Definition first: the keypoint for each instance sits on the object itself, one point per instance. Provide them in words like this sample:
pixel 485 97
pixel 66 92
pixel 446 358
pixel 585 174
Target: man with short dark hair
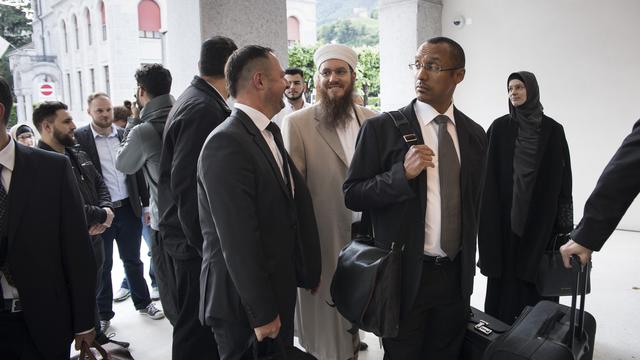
pixel 56 127
pixel 256 215
pixel 101 140
pixel 425 198
pixel 294 94
pixel 47 267
pixel 142 141
pixel 198 111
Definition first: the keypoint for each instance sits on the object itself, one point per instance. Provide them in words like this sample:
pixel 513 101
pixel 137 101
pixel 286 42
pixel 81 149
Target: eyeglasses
pixel 430 67
pixel 326 73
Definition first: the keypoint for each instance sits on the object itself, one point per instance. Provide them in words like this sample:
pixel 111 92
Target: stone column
pixel 247 22
pixel 22 117
pixel 28 105
pixel 404 25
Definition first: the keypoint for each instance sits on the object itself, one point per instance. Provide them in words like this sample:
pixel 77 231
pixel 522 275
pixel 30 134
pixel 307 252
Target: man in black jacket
pixel 47 269
pixel 425 198
pixel 55 125
pixel 616 189
pixel 198 111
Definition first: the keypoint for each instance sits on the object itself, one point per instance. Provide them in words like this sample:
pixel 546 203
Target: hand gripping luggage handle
pixel 582 276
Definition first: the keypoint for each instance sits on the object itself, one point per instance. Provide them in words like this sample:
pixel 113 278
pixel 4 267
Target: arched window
pixel 76 31
pixel 64 32
pixel 103 21
pixel 87 16
pixel 149 19
pixel 293 30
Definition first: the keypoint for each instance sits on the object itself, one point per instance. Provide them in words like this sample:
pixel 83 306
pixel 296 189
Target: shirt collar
pixel 216 90
pixel 114 131
pixel 426 113
pixel 258 118
pixel 8 155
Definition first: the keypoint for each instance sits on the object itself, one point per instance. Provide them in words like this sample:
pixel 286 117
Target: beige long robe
pixel 317 152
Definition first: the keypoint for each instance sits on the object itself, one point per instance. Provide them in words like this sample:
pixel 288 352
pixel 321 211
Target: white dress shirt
pixel 432 224
pixel 8 160
pixel 348 135
pixel 286 110
pixel 261 121
pixel 108 147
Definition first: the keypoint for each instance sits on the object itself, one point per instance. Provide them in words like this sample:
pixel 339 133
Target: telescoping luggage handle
pixel 582 277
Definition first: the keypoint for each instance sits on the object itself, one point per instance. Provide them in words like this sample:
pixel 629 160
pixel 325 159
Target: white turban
pixel 335 51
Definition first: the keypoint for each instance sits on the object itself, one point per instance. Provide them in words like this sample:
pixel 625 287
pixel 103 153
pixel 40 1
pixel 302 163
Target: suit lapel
pixel 265 149
pixel 409 112
pixel 330 136
pixel 86 138
pixel 21 183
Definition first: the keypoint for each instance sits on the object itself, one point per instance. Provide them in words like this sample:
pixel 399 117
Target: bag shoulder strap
pixel 402 123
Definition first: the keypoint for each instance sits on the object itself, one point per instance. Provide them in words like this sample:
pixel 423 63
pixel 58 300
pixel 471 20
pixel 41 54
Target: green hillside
pixel 328 11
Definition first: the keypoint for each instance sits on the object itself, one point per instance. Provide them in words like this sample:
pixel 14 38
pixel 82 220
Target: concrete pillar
pixel 404 25
pixel 22 117
pixel 28 105
pixel 182 42
pixel 248 22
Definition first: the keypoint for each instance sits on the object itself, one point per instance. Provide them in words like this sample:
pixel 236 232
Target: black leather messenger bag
pixel 366 286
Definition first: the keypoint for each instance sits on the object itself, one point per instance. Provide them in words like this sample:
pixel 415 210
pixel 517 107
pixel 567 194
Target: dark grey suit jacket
pixel 136 184
pixel 254 231
pixel 376 182
pixel 49 253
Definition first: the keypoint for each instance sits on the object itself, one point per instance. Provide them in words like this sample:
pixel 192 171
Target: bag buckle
pixel 409 138
pixel 16 306
pixel 482 327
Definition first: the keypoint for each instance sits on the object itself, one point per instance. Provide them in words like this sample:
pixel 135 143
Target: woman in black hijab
pixel 527 199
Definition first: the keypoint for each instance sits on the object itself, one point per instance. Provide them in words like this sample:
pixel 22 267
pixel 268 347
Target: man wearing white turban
pixel 321 141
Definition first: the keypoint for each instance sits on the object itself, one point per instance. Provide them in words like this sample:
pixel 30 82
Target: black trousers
pixel 235 339
pixel 191 339
pixel 16 342
pixel 165 276
pixel 434 327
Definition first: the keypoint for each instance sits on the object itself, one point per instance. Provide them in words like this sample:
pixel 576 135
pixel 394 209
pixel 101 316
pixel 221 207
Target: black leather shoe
pixel 103 339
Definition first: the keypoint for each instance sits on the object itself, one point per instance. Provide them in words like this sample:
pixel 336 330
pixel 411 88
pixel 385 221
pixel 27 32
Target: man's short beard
pixel 63 139
pixel 336 112
pixel 293 98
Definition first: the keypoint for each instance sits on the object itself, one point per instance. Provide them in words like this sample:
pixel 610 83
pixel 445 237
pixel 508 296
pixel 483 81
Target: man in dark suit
pixel 256 215
pixel 616 189
pixel 45 252
pixel 101 141
pixel 425 197
pixel 198 111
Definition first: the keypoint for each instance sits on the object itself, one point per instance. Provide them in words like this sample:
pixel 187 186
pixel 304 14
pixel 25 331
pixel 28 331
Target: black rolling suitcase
pixel 548 331
pixel 482 329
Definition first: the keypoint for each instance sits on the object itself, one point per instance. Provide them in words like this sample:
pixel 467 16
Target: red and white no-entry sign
pixel 46 89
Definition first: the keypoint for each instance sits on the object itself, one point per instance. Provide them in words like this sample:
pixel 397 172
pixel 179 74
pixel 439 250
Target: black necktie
pixel 277 137
pixel 450 202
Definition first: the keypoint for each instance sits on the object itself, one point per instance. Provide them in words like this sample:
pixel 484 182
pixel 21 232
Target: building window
pixel 93 80
pixel 70 96
pixel 64 32
pixel 80 89
pixel 293 30
pixel 87 15
pixel 76 31
pixel 103 21
pixel 107 84
pixel 149 19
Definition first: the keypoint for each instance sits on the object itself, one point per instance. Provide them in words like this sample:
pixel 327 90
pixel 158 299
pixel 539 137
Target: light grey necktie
pixel 450 201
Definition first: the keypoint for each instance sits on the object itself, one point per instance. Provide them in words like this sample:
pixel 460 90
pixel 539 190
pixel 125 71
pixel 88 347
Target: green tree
pixel 356 32
pixel 368 72
pixel 15 27
pixel 302 57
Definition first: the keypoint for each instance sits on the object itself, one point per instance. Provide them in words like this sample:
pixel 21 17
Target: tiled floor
pixel 615 302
